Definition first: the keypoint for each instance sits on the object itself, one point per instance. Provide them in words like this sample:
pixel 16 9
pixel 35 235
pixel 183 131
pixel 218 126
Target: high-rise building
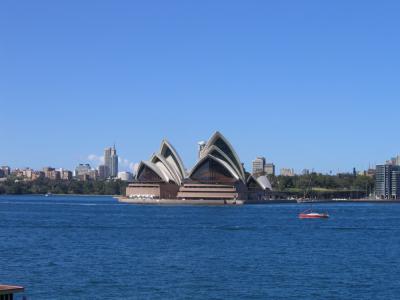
pixel 261 167
pixel 111 162
pixel 82 169
pixel 269 169
pixel 258 165
pixel 382 181
pixel 103 172
pixel 387 183
pixel 107 161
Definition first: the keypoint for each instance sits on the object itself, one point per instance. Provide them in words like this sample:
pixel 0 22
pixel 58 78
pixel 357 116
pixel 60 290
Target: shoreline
pixel 123 199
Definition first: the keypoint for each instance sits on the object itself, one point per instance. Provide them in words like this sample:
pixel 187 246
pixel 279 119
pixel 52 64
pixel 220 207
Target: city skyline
pixel 126 165
pixel 110 158
pixel 276 78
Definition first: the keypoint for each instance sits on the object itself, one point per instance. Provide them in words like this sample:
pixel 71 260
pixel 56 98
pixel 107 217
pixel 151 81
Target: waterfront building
pixel 387 182
pixel 287 172
pixel 218 175
pixel 1 173
pixel 395 188
pixel 6 171
pixel 125 176
pixel 383 181
pixel 111 162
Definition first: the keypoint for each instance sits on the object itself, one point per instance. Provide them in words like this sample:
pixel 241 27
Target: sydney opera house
pixel 218 176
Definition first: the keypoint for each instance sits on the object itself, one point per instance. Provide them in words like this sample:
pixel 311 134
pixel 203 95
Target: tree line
pixel 312 185
pixel 326 186
pixel 45 185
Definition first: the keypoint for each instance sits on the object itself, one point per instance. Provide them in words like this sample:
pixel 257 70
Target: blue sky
pixel 308 84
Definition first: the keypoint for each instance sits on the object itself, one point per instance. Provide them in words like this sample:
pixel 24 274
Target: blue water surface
pixel 65 247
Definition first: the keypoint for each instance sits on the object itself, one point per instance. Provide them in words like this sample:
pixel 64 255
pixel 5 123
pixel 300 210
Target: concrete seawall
pixel 241 202
pixel 179 202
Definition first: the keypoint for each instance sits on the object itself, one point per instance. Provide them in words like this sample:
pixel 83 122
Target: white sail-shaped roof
pixel 219 141
pixel 152 167
pixel 172 157
pixel 262 181
pixel 166 167
pixel 217 152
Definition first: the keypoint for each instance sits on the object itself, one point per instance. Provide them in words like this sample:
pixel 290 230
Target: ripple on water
pixel 96 248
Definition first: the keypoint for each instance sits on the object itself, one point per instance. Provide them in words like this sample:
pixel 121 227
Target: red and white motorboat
pixel 309 214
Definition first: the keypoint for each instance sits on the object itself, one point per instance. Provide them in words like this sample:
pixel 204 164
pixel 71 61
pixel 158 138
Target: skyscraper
pixel 258 165
pixel 111 162
pixel 261 167
pixel 396 183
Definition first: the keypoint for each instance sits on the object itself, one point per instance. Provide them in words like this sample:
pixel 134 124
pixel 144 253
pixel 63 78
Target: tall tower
pixel 114 163
pixel 111 162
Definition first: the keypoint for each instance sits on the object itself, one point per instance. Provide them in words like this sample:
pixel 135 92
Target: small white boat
pixel 309 214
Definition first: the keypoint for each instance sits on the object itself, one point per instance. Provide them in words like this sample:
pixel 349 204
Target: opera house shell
pixel 218 175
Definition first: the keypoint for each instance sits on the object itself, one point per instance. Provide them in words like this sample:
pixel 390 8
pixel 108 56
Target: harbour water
pixel 63 247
